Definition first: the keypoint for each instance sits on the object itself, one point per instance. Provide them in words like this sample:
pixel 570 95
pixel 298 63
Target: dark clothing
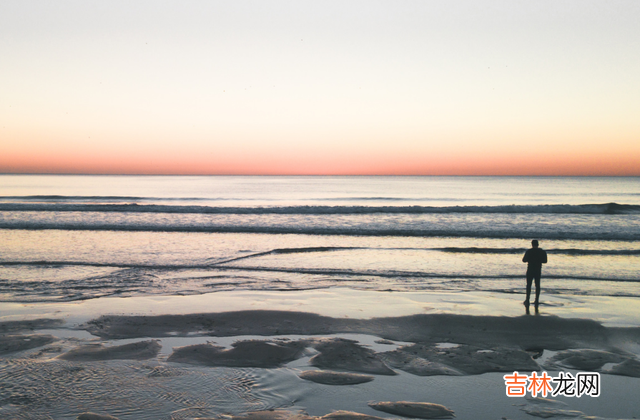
pixel 530 280
pixel 535 257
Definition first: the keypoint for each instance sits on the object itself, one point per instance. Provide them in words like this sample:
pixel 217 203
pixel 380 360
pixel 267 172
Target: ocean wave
pixel 558 251
pixel 120 198
pixel 222 266
pixel 456 250
pixel 68 199
pixel 489 233
pixel 133 207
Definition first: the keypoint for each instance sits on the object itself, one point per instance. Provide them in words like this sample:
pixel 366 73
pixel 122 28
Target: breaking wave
pixel 61 204
pixel 489 232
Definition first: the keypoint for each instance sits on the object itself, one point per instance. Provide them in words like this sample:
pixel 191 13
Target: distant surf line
pixel 133 207
pixel 623 236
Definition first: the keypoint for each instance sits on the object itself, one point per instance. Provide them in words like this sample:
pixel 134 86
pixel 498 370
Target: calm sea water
pixel 81 237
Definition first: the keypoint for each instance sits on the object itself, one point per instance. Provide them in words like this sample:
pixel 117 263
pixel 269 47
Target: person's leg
pixel 529 281
pixel 537 301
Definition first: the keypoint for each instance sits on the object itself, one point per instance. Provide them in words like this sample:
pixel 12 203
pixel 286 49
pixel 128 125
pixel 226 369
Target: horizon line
pixel 320 175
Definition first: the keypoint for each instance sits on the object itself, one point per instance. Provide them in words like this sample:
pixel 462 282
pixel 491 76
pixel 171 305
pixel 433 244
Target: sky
pixel 544 87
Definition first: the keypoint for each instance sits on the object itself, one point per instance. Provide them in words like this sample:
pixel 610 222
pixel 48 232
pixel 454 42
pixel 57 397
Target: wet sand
pixel 310 356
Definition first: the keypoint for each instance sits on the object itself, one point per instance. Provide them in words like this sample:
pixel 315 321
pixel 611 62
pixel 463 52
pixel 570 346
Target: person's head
pixel 534 243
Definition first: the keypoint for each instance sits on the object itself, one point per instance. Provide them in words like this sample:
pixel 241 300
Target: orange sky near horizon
pixel 594 163
pixel 295 88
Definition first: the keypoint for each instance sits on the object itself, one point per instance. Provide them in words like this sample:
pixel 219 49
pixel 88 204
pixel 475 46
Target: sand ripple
pixel 35 389
pixel 94 416
pixel 250 353
pixel 339 353
pixel 630 367
pixel 421 410
pixel 585 359
pixel 134 351
pixel 12 343
pixel 335 378
pixel 426 360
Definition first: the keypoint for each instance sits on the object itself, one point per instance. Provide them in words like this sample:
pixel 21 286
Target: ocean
pixel 72 237
pixel 179 297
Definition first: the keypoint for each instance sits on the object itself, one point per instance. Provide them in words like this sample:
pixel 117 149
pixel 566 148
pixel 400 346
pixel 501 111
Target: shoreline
pixel 335 302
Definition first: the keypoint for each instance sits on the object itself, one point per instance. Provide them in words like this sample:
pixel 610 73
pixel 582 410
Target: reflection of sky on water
pixel 76 265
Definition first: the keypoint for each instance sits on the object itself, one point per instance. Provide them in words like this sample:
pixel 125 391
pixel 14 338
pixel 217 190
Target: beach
pixel 304 298
pixel 128 360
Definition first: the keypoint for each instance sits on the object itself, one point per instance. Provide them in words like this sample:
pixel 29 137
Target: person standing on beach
pixel 535 257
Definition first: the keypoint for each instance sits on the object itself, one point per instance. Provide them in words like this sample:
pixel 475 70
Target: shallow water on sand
pixel 130 390
pixel 69 265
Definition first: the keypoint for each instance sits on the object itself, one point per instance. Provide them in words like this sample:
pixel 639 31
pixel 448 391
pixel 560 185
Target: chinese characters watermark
pixel 584 383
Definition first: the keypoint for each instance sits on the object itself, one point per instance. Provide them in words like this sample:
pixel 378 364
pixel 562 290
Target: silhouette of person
pixel 535 257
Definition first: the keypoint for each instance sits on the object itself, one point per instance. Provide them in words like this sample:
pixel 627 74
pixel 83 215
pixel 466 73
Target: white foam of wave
pixel 70 205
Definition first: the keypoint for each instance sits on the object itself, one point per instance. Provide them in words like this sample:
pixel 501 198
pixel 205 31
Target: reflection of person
pixel 535 257
pixel 528 312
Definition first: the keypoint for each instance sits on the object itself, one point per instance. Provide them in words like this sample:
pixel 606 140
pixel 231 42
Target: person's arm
pixel 544 257
pixel 526 257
